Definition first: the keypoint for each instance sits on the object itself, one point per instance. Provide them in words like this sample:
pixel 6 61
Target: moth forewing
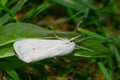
pixel 31 50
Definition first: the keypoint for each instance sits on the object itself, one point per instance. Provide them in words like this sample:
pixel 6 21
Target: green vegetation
pixel 99 20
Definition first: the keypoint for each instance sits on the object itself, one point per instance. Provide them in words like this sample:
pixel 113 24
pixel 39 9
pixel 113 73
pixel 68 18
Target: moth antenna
pixel 75 37
pixel 83 39
pixel 57 36
pixel 81 47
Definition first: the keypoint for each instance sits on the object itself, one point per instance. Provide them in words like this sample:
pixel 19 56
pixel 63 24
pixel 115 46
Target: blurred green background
pixel 98 19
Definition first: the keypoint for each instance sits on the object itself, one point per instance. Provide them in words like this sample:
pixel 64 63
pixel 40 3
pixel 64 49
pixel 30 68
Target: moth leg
pixel 84 48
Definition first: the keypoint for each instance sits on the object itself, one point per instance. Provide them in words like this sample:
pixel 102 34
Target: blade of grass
pixel 71 17
pixel 75 19
pixel 104 71
pixel 3 2
pixel 10 13
pixel 35 11
pixel 112 46
pixel 13 75
pixel 11 2
pixel 74 15
pixel 88 4
pixel 116 53
pixel 70 4
pixel 16 8
pixel 106 3
pixel 110 66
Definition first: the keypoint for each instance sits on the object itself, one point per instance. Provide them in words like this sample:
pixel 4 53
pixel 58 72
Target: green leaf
pixel 15 31
pixel 10 62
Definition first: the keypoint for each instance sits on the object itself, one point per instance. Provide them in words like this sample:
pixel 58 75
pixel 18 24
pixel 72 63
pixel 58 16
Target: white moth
pixel 31 50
